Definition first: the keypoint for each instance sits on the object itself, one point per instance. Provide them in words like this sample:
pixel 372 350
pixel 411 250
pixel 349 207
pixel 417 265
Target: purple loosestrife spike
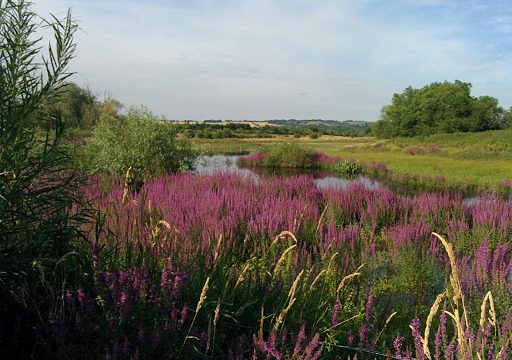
pixel 336 313
pixel 364 332
pixel 300 338
pixel 438 343
pixel 174 314
pixel 369 307
pixel 350 337
pixel 416 334
pixel 397 345
pixel 408 355
pixel 80 295
pixel 184 314
pixel 449 352
pixel 490 353
pixel 312 346
pixel 69 297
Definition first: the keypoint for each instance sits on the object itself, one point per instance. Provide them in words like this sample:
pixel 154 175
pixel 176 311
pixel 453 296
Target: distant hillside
pixel 346 125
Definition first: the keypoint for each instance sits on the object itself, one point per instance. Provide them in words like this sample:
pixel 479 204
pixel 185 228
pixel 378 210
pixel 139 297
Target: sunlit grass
pixel 482 159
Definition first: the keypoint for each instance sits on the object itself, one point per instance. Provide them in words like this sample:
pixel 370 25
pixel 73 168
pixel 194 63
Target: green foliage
pixel 138 142
pixel 76 106
pixel 348 169
pixel 80 108
pixel 439 108
pixel 37 183
pixel 508 117
pixel 289 155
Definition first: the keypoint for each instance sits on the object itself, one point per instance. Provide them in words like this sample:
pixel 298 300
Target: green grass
pixel 481 159
pixel 498 140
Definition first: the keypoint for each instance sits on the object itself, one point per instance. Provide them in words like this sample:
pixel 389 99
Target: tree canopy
pixel 440 107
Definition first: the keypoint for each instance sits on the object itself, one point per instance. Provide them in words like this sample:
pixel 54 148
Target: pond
pixel 208 164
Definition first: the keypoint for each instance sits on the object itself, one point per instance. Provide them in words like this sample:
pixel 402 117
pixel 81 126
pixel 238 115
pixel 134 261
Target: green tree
pixel 80 108
pixel 441 107
pixel 508 117
pixel 76 106
pixel 139 144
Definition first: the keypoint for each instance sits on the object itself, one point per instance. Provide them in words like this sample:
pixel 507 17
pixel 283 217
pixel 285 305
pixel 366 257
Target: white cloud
pixel 268 59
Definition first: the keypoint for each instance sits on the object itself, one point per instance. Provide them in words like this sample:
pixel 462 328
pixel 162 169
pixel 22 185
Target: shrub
pixel 137 144
pixel 289 156
pixel 348 168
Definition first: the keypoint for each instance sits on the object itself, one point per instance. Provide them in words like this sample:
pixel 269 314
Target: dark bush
pixel 289 156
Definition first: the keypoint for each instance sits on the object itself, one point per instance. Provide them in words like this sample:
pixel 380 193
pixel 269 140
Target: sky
pixel 282 59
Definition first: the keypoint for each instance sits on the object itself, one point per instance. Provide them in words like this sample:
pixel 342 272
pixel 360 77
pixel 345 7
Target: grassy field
pixel 482 159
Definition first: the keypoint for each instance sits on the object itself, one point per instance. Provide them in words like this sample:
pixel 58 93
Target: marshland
pixel 126 234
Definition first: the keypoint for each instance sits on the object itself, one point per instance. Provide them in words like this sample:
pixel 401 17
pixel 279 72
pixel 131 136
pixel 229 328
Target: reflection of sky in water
pixel 209 164
pixel 333 181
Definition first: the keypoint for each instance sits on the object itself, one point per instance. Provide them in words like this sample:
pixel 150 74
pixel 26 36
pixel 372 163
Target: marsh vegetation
pixel 111 248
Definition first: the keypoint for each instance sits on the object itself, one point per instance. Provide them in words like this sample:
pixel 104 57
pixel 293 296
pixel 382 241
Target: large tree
pixel 441 107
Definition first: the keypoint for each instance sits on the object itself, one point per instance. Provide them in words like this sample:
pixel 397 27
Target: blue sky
pixel 266 59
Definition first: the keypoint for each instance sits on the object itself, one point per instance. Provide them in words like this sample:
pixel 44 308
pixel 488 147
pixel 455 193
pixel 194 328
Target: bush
pixel 138 144
pixel 348 168
pixel 289 156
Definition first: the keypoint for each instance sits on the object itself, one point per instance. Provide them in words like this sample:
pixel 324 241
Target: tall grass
pixel 489 341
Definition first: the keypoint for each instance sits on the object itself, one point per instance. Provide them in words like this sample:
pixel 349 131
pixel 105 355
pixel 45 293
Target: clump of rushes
pixel 348 169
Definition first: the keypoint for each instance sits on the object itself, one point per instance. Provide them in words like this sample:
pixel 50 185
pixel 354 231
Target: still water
pixel 208 164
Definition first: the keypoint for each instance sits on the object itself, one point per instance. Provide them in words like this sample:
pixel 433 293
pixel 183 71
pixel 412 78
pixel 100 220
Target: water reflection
pixel 208 164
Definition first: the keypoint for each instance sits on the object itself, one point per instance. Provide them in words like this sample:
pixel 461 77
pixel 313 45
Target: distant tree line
pixel 80 109
pixel 441 107
pixel 213 130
